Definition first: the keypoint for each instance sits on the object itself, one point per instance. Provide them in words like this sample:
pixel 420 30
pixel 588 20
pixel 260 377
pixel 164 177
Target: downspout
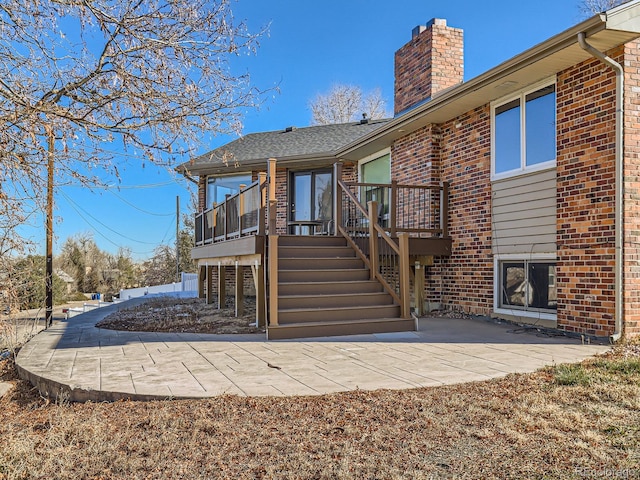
pixel 619 183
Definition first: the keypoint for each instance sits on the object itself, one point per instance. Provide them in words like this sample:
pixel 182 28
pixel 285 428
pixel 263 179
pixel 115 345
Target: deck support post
pixel 222 286
pixel 258 280
pixel 418 287
pixel 405 280
pixel 209 280
pixel 239 290
pixel 202 278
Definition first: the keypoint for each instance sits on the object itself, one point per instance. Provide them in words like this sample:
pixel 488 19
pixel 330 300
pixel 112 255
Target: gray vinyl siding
pixel 524 214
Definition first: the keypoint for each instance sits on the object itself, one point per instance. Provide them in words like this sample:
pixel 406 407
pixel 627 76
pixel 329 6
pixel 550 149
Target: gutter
pixel 619 182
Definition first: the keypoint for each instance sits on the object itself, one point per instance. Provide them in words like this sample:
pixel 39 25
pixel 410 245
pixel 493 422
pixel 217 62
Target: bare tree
pixel 592 7
pixel 346 103
pixel 90 83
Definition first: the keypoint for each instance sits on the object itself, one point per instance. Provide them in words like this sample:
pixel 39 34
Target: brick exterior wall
pixel 202 192
pixel 632 189
pixel 586 198
pixel 431 62
pixel 459 151
pixel 467 276
pixel 416 157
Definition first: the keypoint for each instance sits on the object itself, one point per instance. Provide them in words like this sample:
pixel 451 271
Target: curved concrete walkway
pixel 76 361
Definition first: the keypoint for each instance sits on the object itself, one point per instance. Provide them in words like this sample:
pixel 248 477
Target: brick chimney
pixel 432 61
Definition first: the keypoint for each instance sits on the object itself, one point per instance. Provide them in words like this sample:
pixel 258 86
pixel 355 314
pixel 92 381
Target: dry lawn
pixel 569 421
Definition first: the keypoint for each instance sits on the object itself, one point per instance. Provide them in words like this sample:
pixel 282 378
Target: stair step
pixel 315 251
pixel 328 288
pixel 286 302
pixel 330 313
pixel 311 263
pixel 324 275
pixel 309 240
pixel 353 327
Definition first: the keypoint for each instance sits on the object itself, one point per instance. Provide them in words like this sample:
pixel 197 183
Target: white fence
pixel 187 287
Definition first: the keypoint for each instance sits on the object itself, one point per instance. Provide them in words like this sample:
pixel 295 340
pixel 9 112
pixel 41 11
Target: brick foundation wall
pixel 230 276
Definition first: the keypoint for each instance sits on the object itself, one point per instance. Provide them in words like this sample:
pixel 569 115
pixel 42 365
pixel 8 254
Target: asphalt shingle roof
pixel 253 149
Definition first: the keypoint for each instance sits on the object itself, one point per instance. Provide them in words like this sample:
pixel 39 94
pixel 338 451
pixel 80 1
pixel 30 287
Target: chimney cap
pixel 441 22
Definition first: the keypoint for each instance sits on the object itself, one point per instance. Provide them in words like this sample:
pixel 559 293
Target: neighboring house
pixel 69 281
pixel 532 167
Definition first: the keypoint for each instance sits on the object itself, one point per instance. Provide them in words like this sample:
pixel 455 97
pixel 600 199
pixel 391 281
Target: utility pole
pixel 49 233
pixel 177 238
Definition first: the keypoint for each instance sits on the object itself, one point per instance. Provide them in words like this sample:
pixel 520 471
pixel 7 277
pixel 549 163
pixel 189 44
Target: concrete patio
pixel 76 361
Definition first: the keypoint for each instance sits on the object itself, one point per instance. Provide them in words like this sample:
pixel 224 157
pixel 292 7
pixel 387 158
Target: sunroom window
pixel 219 187
pixel 524 132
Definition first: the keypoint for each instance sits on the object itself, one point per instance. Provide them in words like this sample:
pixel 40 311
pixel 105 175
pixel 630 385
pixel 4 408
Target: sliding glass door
pixel 311 202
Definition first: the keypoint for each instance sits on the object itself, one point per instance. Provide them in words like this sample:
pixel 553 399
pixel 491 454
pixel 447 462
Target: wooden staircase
pixel 324 289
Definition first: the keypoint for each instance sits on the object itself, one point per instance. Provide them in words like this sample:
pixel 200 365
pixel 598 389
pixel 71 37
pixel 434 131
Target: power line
pixel 77 208
pixel 140 209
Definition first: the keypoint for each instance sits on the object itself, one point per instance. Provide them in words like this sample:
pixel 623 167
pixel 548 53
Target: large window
pixel 219 187
pixel 527 285
pixel 377 171
pixel 524 132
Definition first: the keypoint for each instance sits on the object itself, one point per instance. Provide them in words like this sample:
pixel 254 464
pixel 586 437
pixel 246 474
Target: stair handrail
pixel 376 232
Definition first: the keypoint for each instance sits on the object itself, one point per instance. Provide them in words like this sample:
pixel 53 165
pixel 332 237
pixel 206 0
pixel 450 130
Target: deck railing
pixel 419 210
pixel 378 219
pixel 237 216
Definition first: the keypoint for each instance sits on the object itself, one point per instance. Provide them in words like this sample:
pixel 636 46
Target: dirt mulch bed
pixel 191 315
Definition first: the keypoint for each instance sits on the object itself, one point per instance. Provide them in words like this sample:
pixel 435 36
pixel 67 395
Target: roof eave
pixel 625 18
pixel 258 164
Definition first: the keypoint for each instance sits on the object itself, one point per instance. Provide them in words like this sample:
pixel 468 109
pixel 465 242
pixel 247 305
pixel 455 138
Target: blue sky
pixel 310 46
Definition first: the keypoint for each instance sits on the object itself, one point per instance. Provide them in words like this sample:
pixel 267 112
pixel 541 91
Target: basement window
pixel 527 285
pixel 524 132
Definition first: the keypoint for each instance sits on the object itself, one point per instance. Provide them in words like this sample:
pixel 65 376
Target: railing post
pixel 273 202
pixel 240 207
pixel 273 280
pixel 405 282
pixel 393 208
pixel 444 209
pixel 337 197
pixel 226 216
pixel 262 179
pixel 273 244
pixel 214 221
pixel 373 238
